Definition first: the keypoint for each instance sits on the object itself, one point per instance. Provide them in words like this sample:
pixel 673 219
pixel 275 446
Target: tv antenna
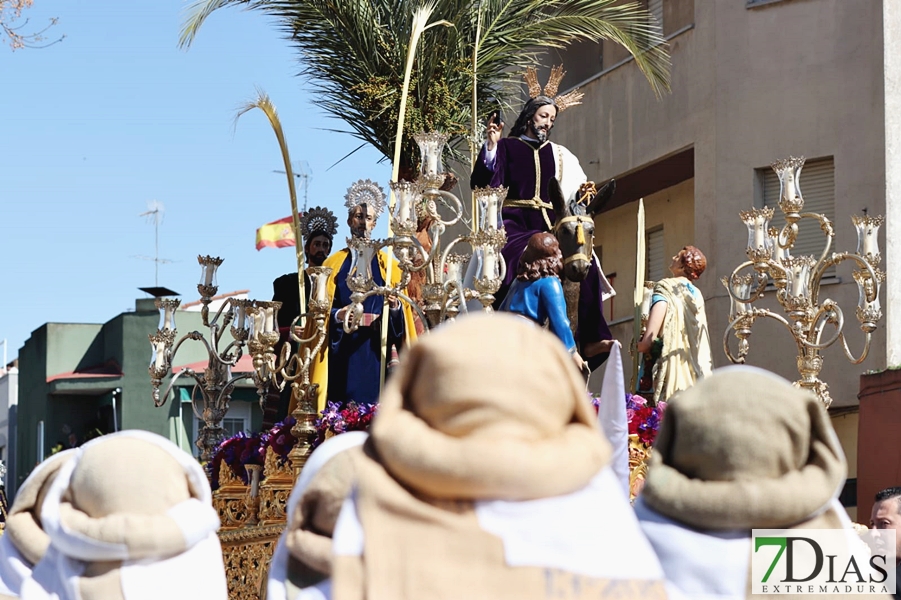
pixel 154 214
pixel 303 172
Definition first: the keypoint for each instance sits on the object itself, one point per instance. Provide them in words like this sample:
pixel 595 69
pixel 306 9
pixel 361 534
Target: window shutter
pixel 817 183
pixel 655 269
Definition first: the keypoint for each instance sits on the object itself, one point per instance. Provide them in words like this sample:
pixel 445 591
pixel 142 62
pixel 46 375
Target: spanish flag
pixel 278 234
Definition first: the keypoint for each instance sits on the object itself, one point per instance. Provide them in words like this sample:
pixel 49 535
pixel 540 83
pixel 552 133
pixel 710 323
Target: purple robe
pixel 514 167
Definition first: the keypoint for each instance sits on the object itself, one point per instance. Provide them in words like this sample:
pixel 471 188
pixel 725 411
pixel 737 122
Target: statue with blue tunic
pixel 537 292
pixel 350 366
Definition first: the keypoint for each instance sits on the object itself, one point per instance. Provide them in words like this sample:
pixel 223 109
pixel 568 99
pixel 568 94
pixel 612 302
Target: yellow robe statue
pixel 686 356
pixel 319 367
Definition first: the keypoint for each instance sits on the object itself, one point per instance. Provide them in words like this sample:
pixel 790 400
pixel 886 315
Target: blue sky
pixel 116 116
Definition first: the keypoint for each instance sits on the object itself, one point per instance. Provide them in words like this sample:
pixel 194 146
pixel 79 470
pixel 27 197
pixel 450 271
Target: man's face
pixel 887 515
pixel 318 249
pixel 361 221
pixel 542 123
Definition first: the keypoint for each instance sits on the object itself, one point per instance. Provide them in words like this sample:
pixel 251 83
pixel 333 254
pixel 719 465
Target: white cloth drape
pixel 278 569
pixel 612 418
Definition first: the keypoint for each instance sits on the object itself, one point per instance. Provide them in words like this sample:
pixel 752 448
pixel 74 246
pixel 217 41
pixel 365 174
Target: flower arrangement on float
pixel 340 418
pixel 644 423
pixel 643 418
pixel 242 450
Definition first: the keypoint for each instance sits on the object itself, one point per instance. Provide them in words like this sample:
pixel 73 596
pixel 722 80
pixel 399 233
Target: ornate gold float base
pixel 639 453
pixel 247 553
pixel 251 525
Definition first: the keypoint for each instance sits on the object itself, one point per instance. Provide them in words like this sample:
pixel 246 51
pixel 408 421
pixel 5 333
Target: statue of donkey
pixel 574 229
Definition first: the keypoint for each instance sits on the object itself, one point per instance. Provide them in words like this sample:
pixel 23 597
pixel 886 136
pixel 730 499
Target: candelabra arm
pixel 356 306
pixel 308 359
pixel 742 325
pixel 461 295
pixel 763 312
pixel 761 285
pixel 215 322
pixel 298 339
pixel 193 335
pixel 197 413
pixel 299 368
pixel 230 386
pixel 382 291
pixel 826 226
pixel 456 206
pixel 739 360
pixel 447 251
pixel 788 234
pixel 426 256
pixel 863 354
pixel 833 314
pixel 435 232
pixel 223 357
pixel 413 305
pixel 160 402
pixel 837 258
pixel 284 358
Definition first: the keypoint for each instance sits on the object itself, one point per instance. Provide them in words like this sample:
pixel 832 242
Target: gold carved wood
pixel 247 547
pixel 247 553
pixel 639 454
pixel 274 491
pixel 230 500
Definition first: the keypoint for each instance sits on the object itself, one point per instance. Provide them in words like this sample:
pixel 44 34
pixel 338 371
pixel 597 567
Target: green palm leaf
pixel 353 53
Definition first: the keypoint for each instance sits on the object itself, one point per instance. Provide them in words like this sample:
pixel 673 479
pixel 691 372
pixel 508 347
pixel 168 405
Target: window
pixel 655 255
pixel 817 183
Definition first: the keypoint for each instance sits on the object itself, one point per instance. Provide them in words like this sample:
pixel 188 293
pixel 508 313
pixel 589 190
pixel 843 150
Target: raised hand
pixel 493 132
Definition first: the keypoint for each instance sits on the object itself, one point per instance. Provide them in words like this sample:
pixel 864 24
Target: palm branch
pixel 263 103
pixel 354 54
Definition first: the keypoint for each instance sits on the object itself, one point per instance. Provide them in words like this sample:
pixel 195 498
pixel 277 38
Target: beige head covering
pixel 489 408
pixel 303 556
pixel 744 449
pixel 24 541
pixel 23 525
pixel 129 516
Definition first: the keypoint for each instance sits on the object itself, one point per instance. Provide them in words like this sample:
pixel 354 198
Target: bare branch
pixel 16 33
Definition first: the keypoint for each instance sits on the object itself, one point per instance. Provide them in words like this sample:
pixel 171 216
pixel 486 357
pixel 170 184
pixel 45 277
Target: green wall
pixel 81 403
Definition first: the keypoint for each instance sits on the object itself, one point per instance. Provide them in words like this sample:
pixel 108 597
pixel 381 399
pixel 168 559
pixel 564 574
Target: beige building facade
pixel 753 81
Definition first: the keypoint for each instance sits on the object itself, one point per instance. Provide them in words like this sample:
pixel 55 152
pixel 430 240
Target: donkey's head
pixel 574 227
